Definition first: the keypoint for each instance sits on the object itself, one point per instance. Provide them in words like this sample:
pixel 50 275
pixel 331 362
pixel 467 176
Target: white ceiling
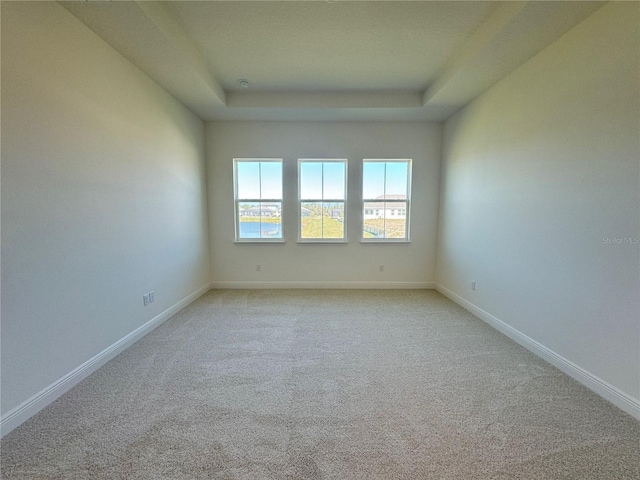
pixel 329 60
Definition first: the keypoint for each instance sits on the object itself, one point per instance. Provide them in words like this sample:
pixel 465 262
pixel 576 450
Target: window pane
pixel 248 220
pixel 386 220
pixel 396 179
pixel 322 220
pixel 248 178
pixel 395 221
pixel 259 220
pixel 271 180
pixel 373 222
pixel 311 180
pixel 271 220
pixel 373 179
pixel 333 181
pixel 311 220
pixel 333 220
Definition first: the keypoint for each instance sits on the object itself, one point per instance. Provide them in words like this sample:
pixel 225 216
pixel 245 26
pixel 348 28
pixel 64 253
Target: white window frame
pixel 407 201
pixel 344 239
pixel 237 201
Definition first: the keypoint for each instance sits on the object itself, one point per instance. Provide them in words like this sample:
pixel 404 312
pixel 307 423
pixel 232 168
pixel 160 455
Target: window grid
pixel 327 234
pixel 266 207
pixel 373 206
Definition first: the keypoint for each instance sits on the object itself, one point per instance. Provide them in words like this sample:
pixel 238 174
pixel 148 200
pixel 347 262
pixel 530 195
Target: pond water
pixel 252 230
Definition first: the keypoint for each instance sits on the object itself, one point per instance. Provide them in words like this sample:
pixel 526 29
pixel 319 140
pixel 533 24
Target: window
pixel 258 199
pixel 386 187
pixel 322 195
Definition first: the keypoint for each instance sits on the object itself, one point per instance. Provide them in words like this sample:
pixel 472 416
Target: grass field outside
pixel 258 219
pixel 327 227
pixel 393 228
pixel 321 227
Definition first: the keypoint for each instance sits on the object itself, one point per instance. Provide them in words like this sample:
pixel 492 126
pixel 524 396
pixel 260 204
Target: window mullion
pixel 260 193
pixel 384 205
pixel 322 204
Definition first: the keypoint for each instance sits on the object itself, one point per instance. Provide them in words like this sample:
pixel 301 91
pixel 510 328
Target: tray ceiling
pixel 318 60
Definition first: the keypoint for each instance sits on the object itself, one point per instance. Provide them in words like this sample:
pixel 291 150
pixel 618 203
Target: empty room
pixel 320 240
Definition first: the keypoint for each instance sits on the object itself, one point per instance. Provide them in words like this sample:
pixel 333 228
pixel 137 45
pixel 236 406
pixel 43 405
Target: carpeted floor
pixel 300 384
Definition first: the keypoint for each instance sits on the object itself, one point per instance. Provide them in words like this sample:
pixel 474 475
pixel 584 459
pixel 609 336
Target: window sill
pixel 385 241
pixel 320 241
pixel 260 242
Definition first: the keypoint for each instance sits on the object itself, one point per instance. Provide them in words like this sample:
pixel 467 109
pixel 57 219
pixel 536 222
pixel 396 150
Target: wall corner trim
pixel 37 402
pixel 610 393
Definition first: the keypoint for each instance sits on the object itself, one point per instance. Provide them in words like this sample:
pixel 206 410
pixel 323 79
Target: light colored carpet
pixel 301 384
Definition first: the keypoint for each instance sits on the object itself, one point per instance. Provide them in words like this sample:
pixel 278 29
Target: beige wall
pixel 540 177
pixel 339 266
pixel 103 198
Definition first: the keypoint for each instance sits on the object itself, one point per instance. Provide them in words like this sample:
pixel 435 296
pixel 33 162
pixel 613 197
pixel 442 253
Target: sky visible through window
pixel 263 180
pixel 384 178
pixel 322 181
pixel 259 180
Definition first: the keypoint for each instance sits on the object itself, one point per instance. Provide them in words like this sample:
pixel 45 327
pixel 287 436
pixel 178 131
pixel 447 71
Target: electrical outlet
pixel 473 285
pixel 152 297
pixel 145 299
pixel 258 268
pixel 381 268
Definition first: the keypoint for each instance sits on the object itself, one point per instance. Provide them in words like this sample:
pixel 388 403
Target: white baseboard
pixel 326 285
pixel 37 402
pixel 620 399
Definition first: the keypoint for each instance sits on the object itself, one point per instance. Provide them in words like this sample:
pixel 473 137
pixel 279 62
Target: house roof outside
pixel 392 204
